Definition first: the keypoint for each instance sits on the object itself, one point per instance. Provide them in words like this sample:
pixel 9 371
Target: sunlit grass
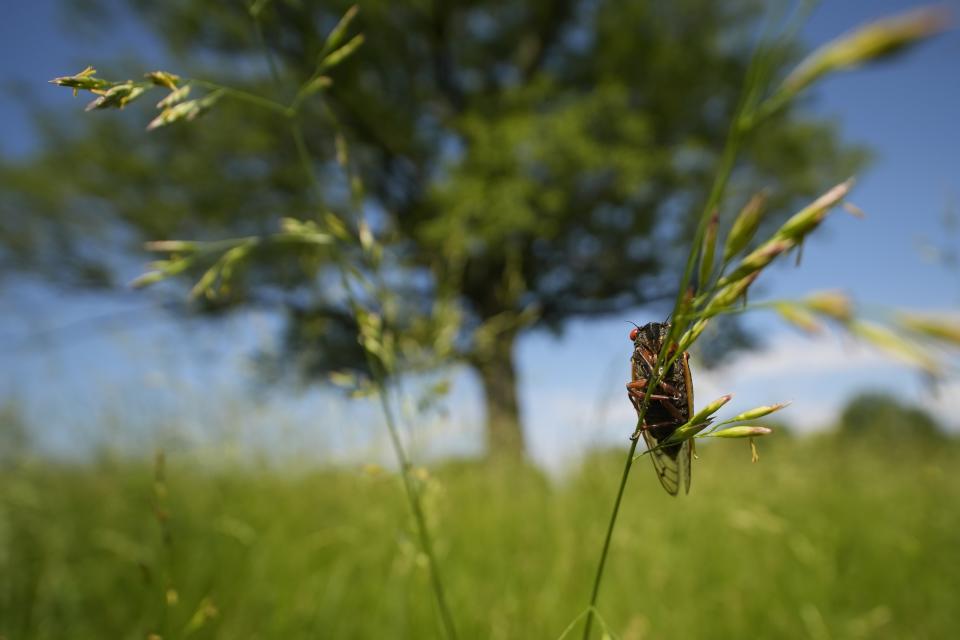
pixel 821 539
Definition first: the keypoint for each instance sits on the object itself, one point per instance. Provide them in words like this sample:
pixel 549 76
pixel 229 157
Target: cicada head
pixel 647 341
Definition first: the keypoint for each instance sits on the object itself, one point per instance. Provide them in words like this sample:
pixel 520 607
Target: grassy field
pixel 821 539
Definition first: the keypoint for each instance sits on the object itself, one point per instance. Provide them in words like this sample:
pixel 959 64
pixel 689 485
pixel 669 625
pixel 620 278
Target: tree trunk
pixel 498 376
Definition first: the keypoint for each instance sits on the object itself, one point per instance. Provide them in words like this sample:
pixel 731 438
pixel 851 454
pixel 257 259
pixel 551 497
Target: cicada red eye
pixel 633 334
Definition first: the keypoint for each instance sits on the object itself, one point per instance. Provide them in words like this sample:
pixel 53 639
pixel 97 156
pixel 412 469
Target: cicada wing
pixel 666 465
pixel 685 463
pixel 686 453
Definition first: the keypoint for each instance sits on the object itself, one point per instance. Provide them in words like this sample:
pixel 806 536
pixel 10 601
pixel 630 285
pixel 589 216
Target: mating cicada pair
pixel 671 405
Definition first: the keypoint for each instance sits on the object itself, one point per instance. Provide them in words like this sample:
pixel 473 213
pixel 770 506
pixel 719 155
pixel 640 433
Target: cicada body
pixel 671 405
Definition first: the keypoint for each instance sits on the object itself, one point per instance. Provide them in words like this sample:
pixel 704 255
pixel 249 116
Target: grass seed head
pixel 688 431
pixel 886 340
pixel 181 111
pixel 833 304
pixel 700 421
pixel 758 412
pixel 940 329
pixel 84 80
pixel 870 42
pixel 708 250
pixel 175 96
pixel 339 31
pixel 729 294
pixel 745 226
pixel 118 96
pixel 189 110
pixel 172 246
pixel 799 317
pixel 163 79
pixel 688 338
pixel 758 259
pixel 742 431
pixel 808 218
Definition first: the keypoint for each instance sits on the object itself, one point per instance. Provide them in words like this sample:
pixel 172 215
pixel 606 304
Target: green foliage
pixel 818 541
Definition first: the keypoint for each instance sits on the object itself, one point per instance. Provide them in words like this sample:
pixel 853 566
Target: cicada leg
pixel 647 427
pixel 648 358
pixel 650 361
pixel 663 386
pixel 635 391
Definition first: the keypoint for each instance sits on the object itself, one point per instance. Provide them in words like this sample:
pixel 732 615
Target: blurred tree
pixel 541 159
pixel 876 414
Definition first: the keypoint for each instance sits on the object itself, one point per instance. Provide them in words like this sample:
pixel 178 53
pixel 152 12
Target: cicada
pixel 671 405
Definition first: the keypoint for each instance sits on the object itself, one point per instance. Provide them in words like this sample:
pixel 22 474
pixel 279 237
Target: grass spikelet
pixel 798 316
pixel 808 218
pixel 758 259
pixel 745 226
pixel 163 79
pixel 890 342
pixel 709 249
pixel 832 304
pixel 118 96
pixel 869 42
pixel 757 412
pixel 729 295
pixel 939 329
pixel 741 431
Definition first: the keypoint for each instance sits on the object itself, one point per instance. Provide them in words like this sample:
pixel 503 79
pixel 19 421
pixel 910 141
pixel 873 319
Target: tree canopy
pixel 878 415
pixel 541 160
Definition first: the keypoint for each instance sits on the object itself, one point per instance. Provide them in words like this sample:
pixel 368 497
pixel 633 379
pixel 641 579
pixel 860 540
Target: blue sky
pixel 133 382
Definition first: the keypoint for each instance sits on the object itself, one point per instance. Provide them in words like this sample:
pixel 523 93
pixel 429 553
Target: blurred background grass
pixel 826 537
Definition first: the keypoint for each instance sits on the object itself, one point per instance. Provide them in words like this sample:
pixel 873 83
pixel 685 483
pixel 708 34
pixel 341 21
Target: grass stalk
pixel 416 507
pixel 716 193
pixel 380 382
pixel 738 127
pixel 244 96
pixel 598 578
pixel 400 452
